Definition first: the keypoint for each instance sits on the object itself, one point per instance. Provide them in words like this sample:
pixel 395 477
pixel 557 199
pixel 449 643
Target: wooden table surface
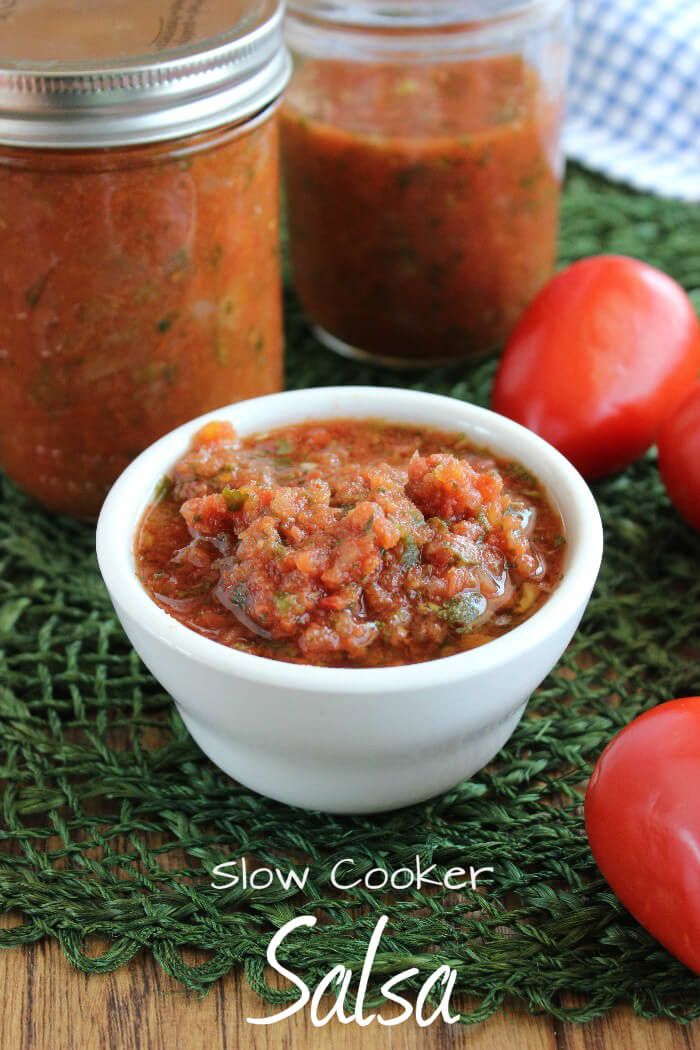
pixel 47 1005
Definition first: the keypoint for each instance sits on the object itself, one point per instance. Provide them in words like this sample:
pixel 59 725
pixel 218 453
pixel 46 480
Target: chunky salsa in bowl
pixel 317 577
pixel 348 542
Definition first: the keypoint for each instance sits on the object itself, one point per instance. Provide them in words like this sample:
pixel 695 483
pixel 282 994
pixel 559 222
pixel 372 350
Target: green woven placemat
pixel 112 819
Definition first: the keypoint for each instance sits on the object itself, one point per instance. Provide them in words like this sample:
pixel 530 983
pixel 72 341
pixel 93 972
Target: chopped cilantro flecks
pixel 463 609
pixel 407 176
pixel 215 258
pixel 235 498
pixel 285 603
pixel 411 553
pixel 166 323
pixel 520 473
pixel 368 525
pixel 36 290
pixel 239 596
pixel 163 489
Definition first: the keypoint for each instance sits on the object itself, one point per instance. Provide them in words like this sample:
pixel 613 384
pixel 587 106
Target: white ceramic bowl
pixel 349 740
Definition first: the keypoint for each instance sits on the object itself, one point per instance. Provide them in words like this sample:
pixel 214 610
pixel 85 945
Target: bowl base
pixel 325 785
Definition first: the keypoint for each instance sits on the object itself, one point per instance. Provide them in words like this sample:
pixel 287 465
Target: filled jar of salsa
pixel 422 160
pixel 139 221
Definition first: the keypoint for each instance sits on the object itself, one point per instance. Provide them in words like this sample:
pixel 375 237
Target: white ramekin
pixel 348 740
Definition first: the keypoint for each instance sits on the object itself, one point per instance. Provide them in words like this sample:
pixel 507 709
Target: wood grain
pixel 47 1005
pixel 621 1030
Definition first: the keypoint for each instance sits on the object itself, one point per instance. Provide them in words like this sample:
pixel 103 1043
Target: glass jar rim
pixel 414 31
pixel 421 14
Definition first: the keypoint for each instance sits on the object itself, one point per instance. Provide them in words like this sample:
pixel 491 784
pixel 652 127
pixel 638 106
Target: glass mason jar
pixel 423 164
pixel 139 213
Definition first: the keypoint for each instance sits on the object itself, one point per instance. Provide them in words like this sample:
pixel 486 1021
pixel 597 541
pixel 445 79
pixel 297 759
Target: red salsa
pixel 348 543
pixel 422 203
pixel 139 287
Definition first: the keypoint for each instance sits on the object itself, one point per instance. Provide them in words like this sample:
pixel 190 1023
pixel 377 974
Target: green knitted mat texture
pixel 112 819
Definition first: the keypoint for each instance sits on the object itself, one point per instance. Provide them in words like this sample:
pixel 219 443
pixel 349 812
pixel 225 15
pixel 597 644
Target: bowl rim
pixel 135 487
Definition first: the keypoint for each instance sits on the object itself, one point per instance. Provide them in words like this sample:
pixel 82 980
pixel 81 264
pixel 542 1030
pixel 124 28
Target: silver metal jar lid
pixel 77 74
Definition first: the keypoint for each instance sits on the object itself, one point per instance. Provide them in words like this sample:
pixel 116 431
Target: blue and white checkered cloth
pixel 634 93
